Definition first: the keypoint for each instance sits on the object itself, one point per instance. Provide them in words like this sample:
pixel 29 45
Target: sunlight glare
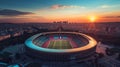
pixel 92 18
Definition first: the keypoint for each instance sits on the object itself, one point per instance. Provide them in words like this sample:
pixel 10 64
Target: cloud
pixel 26 18
pixel 111 17
pixel 9 12
pixel 57 6
pixel 105 6
pixel 109 6
pixel 22 20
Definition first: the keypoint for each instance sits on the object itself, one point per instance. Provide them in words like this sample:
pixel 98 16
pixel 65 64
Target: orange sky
pixel 78 11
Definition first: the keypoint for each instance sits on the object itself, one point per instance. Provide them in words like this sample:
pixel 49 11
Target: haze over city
pixel 78 11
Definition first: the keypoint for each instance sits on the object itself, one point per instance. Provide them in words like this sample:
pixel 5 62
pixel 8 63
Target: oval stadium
pixel 60 46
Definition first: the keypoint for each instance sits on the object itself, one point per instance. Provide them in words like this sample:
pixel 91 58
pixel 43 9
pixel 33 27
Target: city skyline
pixel 60 10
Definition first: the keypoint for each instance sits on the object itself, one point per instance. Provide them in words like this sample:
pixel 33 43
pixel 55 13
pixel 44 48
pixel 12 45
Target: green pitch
pixel 59 44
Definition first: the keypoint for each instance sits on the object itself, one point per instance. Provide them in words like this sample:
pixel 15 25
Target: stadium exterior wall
pixel 60 55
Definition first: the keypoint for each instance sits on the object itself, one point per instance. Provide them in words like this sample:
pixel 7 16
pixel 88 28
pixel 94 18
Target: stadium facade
pixel 60 46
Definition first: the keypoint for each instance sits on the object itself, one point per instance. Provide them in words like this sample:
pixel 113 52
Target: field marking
pixel 48 43
pixel 71 44
pixel 60 44
pixel 54 44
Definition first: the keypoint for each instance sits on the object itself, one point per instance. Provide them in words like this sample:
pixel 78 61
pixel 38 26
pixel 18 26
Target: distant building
pixel 4 36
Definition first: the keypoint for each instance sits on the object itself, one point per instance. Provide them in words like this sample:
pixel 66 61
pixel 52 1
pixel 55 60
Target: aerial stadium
pixel 60 46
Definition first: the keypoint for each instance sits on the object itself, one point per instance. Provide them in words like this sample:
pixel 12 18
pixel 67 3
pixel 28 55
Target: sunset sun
pixel 92 18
